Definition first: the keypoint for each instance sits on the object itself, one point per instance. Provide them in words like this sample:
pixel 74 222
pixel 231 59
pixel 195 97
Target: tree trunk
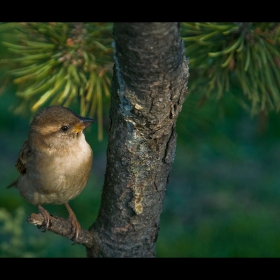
pixel 148 89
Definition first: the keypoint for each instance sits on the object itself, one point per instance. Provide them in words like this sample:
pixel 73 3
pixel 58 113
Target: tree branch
pixel 63 227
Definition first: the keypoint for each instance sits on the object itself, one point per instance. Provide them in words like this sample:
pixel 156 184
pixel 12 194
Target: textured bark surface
pixel 148 88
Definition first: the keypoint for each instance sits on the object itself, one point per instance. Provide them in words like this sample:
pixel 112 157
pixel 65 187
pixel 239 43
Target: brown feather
pixel 21 161
pixel 22 158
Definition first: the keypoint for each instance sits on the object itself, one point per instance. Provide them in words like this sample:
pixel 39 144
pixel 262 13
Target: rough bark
pixel 148 88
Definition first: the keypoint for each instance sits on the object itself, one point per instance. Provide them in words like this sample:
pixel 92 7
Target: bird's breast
pixel 58 175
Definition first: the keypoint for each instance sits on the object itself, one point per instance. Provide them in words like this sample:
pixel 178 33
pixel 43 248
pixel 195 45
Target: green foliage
pixel 223 194
pixel 58 62
pixel 241 54
pixel 12 241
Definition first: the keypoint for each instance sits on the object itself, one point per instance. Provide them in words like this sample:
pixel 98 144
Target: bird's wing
pixel 22 158
pixel 21 161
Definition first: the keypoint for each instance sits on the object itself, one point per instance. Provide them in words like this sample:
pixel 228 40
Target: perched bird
pixel 55 161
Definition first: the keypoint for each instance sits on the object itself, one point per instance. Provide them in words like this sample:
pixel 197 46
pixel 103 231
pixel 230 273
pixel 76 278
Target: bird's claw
pixel 76 227
pixel 47 222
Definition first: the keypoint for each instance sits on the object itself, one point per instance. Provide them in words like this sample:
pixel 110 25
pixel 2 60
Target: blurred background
pixel 223 195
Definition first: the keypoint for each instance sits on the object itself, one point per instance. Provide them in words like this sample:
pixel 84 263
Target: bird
pixel 55 161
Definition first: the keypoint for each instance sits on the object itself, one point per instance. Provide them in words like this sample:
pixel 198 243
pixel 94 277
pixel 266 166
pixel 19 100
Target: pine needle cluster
pixel 242 54
pixel 58 62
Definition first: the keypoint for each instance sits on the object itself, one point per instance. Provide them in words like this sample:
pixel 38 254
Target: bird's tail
pixel 13 184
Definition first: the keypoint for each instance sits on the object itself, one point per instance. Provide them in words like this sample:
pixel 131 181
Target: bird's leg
pixel 76 225
pixel 46 217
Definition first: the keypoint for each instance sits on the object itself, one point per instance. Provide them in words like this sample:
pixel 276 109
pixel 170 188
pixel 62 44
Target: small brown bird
pixel 55 161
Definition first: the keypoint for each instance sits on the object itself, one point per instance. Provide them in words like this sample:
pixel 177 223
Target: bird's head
pixel 57 124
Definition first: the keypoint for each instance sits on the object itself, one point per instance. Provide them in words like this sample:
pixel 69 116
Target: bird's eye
pixel 64 128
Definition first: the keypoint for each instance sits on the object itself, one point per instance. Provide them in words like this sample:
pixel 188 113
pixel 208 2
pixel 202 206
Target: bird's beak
pixel 84 122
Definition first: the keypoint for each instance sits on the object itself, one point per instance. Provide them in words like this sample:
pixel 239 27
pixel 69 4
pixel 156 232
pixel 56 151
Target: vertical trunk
pixel 148 88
